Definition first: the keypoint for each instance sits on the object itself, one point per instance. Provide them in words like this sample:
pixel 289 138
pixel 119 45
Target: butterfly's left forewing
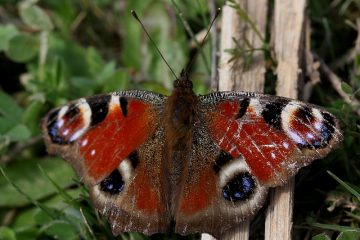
pixel 276 136
pixel 95 134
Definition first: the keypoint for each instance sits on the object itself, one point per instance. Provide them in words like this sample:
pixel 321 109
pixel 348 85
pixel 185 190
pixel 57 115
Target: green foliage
pixel 27 176
pixel 34 16
pixel 64 50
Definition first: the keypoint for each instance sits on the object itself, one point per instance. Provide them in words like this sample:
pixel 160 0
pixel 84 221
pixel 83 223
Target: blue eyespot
pixel 239 188
pixel 113 184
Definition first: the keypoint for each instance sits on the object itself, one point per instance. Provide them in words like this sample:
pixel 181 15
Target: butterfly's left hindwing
pixel 276 136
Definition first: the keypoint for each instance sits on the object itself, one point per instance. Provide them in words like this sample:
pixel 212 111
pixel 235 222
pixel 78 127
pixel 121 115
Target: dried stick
pixel 214 47
pixel 336 83
pixel 288 33
pixel 233 75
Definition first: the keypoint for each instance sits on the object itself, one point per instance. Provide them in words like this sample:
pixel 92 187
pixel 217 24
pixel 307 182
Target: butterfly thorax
pixel 180 110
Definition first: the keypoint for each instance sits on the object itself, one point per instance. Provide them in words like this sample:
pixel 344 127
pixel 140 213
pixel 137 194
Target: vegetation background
pixel 54 51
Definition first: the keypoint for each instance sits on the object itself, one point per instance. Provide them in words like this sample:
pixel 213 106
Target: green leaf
pixel 334 227
pixel 28 177
pixel 18 133
pixel 36 216
pixel 32 114
pixel 60 230
pixel 35 17
pixel 6 33
pixel 9 107
pixel 22 48
pixel 119 81
pixel 346 88
pixel 7 234
pixel 107 72
pixel 131 41
pixel 345 185
pixel 321 236
pixel 349 235
pixel 27 234
pixel 10 119
pixel 41 217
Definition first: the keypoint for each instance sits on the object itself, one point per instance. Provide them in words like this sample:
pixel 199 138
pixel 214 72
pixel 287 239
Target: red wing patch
pixel 275 139
pixel 113 139
pixel 263 147
pixel 147 197
pixel 200 195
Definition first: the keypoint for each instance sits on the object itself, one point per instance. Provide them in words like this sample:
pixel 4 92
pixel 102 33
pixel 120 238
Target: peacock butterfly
pixel 186 163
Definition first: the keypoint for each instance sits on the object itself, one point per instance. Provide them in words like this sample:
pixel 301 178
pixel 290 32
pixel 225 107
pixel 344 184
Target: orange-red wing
pixel 276 136
pixel 97 133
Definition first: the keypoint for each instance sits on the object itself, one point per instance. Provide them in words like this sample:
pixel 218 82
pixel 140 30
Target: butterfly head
pixel 183 83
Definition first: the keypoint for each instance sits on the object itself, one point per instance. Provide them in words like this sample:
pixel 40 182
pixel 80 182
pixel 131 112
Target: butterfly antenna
pixel 152 41
pixel 203 40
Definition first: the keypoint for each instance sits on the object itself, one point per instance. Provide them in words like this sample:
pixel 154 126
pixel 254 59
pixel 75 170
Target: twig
pixel 86 223
pixel 8 217
pixel 289 17
pixel 336 83
pixel 233 75
pixel 214 48
pixel 311 66
pixel 19 148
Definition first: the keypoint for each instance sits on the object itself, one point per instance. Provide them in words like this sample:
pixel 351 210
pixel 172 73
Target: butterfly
pixel 186 163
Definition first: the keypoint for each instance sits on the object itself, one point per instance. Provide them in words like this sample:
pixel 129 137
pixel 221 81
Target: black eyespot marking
pixel 304 114
pixel 239 188
pixel 53 128
pixel 113 184
pixel 53 121
pixel 326 131
pixel 99 108
pixel 272 113
pixel 243 107
pixel 222 160
pixel 72 112
pixel 329 123
pixel 324 134
pixel 123 106
pixel 134 159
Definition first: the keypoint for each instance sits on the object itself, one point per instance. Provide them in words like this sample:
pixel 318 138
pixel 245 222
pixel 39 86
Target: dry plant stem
pixel 357 42
pixel 288 39
pixel 312 66
pixel 8 217
pixel 19 148
pixel 233 75
pixel 336 83
pixel 214 47
pixel 350 55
